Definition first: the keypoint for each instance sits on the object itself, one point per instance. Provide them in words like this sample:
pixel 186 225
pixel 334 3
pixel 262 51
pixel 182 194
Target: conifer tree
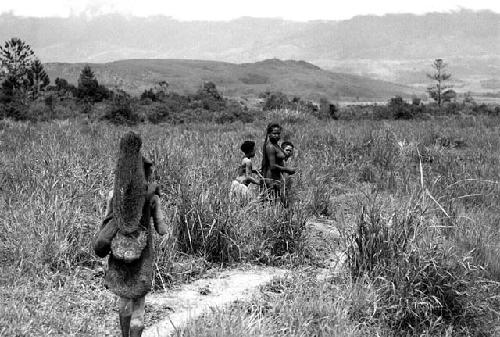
pixel 37 78
pixel 437 90
pixel 87 83
pixel 16 58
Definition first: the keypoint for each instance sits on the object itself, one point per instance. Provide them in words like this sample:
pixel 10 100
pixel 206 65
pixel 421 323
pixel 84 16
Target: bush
pixel 121 111
pixel 275 101
pixel 399 108
pixel 15 110
pixel 327 110
pixel 423 283
pixel 89 88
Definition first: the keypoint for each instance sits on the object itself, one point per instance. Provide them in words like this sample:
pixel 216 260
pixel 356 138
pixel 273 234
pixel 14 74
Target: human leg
pixel 125 313
pixel 137 321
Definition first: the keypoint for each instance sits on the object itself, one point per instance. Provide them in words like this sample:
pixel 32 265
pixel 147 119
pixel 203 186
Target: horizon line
pixel 88 15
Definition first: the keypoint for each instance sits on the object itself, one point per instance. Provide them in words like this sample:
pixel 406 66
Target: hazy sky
pixel 229 9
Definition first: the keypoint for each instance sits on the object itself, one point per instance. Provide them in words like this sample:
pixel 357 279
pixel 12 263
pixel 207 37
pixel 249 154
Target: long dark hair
pixel 129 191
pixel 265 160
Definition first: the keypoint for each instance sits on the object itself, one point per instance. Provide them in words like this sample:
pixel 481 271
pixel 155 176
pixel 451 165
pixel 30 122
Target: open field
pixel 433 183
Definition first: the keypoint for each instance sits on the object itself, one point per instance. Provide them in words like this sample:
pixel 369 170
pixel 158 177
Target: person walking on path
pixel 126 234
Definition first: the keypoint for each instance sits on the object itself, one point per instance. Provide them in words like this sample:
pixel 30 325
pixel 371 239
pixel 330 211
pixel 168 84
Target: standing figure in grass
pixel 126 233
pixel 273 165
pixel 240 186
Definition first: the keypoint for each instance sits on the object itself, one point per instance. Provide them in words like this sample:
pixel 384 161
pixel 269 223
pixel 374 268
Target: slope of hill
pixel 297 78
pixel 394 47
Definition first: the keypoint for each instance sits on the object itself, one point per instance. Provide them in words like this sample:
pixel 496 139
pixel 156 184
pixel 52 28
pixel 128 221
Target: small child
pixel 239 186
pixel 288 149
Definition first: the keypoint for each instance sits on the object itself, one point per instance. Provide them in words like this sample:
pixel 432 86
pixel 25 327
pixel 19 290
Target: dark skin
pixel 249 170
pixel 276 157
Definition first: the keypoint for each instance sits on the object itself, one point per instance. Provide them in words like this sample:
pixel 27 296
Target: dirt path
pixel 179 306
pixel 173 309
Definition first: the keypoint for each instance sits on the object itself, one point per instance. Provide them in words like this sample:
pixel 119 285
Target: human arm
pixel 109 204
pixel 158 217
pixel 107 230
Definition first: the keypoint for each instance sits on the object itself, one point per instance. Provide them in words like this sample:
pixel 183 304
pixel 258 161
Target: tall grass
pixel 54 178
pixel 295 306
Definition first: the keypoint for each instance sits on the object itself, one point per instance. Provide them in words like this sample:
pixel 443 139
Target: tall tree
pixel 87 83
pixel 37 78
pixel 16 58
pixel 440 76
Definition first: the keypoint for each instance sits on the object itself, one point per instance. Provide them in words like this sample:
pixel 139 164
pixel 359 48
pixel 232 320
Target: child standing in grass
pixel 133 202
pixel 239 186
pixel 288 149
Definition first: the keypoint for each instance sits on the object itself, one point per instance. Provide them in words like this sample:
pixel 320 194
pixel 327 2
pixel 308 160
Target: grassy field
pixel 416 201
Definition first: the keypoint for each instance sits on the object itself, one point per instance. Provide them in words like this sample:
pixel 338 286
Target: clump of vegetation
pixel 88 89
pixel 423 282
pixel 206 105
pixel 122 111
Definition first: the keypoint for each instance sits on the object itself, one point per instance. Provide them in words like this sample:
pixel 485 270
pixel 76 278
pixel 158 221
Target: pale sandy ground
pixel 192 300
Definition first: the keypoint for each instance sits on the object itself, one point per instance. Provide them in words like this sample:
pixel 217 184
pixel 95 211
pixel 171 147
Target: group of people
pixel 272 178
pixel 125 234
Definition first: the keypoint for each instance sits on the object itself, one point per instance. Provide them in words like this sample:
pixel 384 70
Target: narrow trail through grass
pixel 191 300
pixel 172 310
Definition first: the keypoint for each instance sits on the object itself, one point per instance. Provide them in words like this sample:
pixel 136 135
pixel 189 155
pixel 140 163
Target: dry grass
pixel 54 177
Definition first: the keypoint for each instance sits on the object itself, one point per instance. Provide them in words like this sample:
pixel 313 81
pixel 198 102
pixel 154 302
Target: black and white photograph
pixel 249 168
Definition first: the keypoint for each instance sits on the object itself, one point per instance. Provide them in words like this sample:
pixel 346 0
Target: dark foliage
pixel 122 110
pixel 275 101
pixel 421 285
pixel 88 87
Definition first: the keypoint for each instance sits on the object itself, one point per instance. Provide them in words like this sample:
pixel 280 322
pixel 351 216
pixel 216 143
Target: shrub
pixel 275 101
pixel 15 110
pixel 399 108
pixel 89 88
pixel 423 285
pixel 326 109
pixel 121 111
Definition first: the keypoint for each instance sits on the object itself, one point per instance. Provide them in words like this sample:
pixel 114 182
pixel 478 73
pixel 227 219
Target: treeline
pixel 26 93
pixel 398 108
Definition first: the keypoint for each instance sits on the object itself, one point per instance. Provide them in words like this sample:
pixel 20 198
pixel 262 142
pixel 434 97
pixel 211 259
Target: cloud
pixel 231 9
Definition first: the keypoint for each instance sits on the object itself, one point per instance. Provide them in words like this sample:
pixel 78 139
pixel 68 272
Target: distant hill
pixel 395 36
pixel 297 78
pixel 395 47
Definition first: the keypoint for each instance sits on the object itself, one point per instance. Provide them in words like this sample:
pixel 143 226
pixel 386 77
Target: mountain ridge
pixel 394 47
pixel 294 78
pixel 98 39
